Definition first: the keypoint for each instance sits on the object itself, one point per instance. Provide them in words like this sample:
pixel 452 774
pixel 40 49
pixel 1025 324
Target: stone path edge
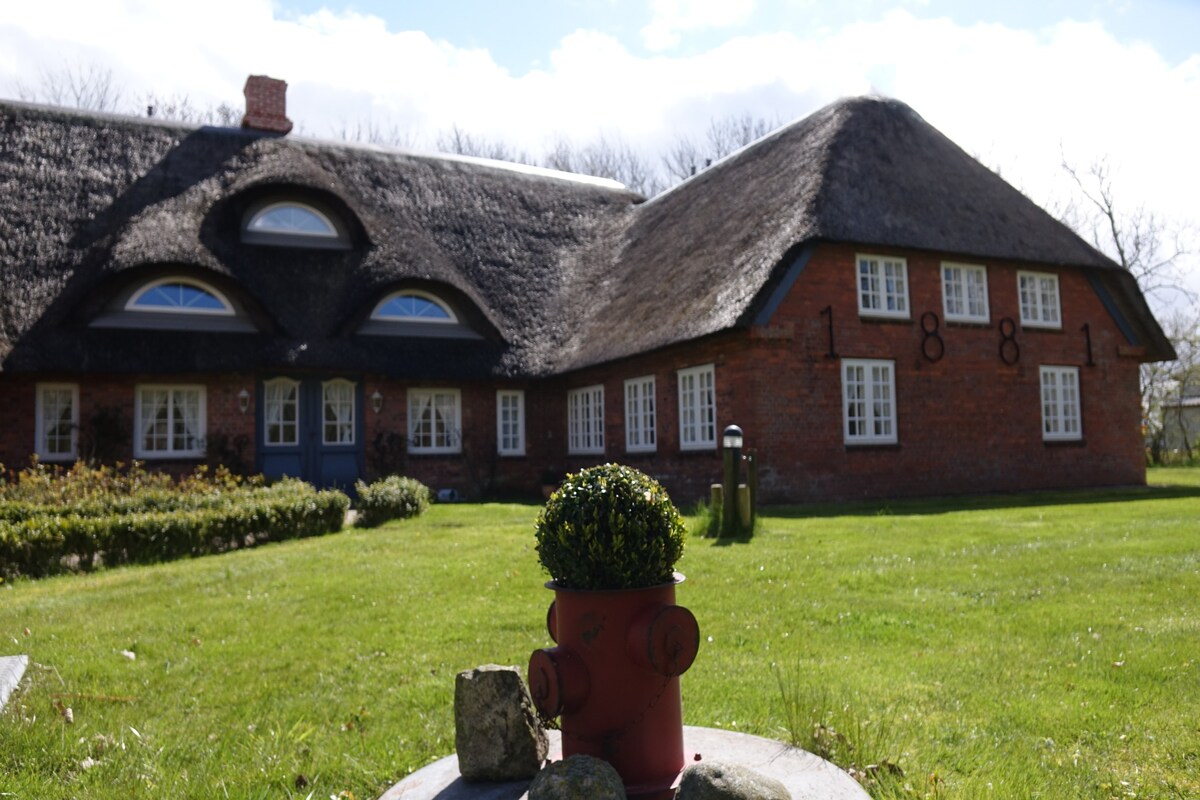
pixel 806 776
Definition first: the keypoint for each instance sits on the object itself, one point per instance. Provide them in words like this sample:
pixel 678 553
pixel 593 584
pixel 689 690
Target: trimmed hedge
pixel 38 540
pixel 389 498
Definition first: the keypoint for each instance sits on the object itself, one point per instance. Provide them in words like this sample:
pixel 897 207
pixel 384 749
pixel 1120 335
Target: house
pixel 1181 423
pixel 880 313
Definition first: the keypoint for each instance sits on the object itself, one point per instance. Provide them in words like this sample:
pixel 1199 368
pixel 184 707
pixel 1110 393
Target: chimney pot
pixel 266 105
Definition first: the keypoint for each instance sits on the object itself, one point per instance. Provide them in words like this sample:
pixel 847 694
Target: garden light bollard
pixel 731 442
pixel 614 680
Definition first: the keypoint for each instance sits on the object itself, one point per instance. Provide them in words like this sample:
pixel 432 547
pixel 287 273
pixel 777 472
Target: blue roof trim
pixel 785 285
pixel 1111 307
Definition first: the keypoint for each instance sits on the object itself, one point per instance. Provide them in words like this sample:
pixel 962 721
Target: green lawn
pixel 1011 647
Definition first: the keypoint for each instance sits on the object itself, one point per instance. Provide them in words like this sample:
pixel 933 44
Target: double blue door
pixel 311 429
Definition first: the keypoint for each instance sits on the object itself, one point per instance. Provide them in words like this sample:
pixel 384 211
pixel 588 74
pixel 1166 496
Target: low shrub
pixel 393 497
pixel 45 543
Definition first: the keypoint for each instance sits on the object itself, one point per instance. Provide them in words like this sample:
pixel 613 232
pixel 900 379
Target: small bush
pixel 45 536
pixel 393 497
pixel 610 527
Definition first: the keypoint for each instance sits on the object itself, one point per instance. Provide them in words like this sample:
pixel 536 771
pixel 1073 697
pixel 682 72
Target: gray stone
pixel 11 670
pixel 716 780
pixel 496 733
pixel 577 778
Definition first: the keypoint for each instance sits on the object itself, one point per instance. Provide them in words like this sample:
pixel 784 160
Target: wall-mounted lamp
pixel 243 401
pixel 377 401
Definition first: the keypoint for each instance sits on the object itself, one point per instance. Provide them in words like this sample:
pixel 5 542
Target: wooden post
pixel 752 482
pixel 729 508
pixel 744 507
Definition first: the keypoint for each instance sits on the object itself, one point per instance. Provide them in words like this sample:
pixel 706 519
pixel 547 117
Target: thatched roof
pixel 555 273
pixel 864 170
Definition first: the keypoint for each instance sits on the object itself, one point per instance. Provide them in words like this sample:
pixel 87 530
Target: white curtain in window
pixel 339 413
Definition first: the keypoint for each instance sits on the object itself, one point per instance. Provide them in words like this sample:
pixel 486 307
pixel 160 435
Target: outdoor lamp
pixel 243 401
pixel 377 401
pixel 733 438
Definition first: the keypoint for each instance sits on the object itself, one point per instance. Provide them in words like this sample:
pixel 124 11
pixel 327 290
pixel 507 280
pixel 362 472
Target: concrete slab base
pixel 806 776
pixel 12 669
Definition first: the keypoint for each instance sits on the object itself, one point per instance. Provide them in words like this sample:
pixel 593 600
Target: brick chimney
pixel 266 105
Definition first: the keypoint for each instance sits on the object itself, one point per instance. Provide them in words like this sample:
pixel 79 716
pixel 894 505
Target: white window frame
pixel 697 408
pixel 1062 404
pixel 449 431
pixel 284 424
pixel 965 285
pixel 641 418
pixel 226 309
pixel 882 286
pixel 869 417
pixel 510 422
pixel 450 319
pixel 585 420
pixel 342 423
pixel 1040 299
pixel 174 392
pixel 41 443
pixel 255 226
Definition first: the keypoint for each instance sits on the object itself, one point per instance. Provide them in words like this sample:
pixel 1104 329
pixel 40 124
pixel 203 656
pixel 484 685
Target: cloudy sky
pixel 1016 83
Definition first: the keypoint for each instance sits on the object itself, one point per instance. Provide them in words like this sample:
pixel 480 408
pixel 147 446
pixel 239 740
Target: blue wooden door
pixel 311 429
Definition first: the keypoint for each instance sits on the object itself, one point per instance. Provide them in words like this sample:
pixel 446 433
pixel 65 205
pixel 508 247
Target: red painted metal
pixel 614 679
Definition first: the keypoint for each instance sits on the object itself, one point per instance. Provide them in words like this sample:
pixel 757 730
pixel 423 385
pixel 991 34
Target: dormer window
pixel 174 301
pixel 414 307
pixel 179 296
pixel 292 219
pixel 290 223
pixel 412 312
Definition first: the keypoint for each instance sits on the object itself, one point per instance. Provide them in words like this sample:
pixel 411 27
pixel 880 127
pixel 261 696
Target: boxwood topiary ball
pixel 610 527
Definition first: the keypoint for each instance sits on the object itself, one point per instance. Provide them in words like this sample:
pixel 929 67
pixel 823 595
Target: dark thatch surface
pixel 555 273
pixel 862 170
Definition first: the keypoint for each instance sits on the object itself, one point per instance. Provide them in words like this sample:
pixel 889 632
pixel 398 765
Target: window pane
pixel 338 413
pixel 292 219
pixel 412 307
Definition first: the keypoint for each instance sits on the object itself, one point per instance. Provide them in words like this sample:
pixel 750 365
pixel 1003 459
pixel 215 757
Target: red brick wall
pixel 116 394
pixel 966 423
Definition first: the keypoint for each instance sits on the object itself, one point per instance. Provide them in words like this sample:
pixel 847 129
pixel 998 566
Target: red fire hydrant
pixel 614 680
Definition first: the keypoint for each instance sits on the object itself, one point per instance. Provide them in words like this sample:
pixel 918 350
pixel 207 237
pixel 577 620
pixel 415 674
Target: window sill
pixel 885 320
pixel 858 446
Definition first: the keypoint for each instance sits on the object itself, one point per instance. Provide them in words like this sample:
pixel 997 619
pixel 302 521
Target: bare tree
pixel 723 136
pixel 1143 243
pixel 391 135
pixel 609 158
pixel 1138 239
pixel 456 140
pixel 86 86
pixel 180 109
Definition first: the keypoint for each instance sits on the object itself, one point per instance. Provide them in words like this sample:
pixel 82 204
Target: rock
pixel 714 780
pixel 577 778
pixel 496 733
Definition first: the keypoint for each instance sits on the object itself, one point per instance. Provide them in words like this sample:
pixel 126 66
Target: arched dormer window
pixel 174 301
pixel 292 219
pixel 179 296
pixel 292 223
pixel 412 312
pixel 412 306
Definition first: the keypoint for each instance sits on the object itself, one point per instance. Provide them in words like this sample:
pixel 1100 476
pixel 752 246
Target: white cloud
pixel 671 17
